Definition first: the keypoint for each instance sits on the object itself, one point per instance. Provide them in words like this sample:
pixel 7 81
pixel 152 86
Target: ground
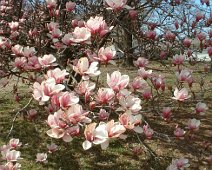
pixel 155 154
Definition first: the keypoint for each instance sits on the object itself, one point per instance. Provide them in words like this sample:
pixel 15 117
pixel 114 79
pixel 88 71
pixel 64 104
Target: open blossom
pixel 117 81
pixel 29 51
pixel 179 133
pixel 57 74
pixel 105 95
pixel 89 135
pixel 181 95
pixel 201 108
pixel 17 50
pixel 178 59
pixel 80 35
pixel 179 164
pixel 67 99
pixel 11 166
pixel 47 60
pixel 12 155
pixel 130 121
pixel 130 103
pixel 138 84
pixel 109 130
pixel 117 4
pixel 98 26
pixel 14 143
pixel 144 73
pixel 187 42
pixel 193 124
pixel 70 6
pixel 84 68
pixel 201 36
pixel 42 92
pixel 76 114
pixel 184 75
pixel 41 157
pixel 141 62
pixel 106 54
pixel 20 62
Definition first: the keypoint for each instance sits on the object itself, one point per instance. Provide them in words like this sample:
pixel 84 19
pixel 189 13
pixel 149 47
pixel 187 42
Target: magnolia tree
pixel 58 48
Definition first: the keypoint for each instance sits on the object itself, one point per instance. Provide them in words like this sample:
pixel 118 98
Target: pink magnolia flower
pixel 80 35
pixel 130 121
pixel 201 108
pixel 13 25
pixel 67 99
pixel 13 155
pixel 187 42
pixel 106 54
pixel 166 113
pixel 184 75
pixel 179 164
pixel 108 130
pixel 42 92
pixel 179 133
pixel 51 3
pixel 117 4
pixel 33 63
pixel 20 62
pixel 76 114
pixel 148 131
pixel 10 166
pixel 47 60
pixel 70 6
pixel 41 157
pixel 85 69
pixel 199 16
pixel 52 147
pixel 181 95
pixel 97 26
pixel 141 62
pixel 138 84
pixel 193 124
pixel 85 88
pixel 159 82
pixel 29 51
pixel 57 74
pixel 117 81
pixel 17 50
pixel 14 143
pixel 93 136
pixel 105 95
pixel 130 103
pixel 178 59
pixel 55 34
pixel 144 73
pixel 52 25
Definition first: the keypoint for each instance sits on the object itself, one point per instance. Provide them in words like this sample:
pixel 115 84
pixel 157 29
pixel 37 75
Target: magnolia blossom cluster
pixel 10 155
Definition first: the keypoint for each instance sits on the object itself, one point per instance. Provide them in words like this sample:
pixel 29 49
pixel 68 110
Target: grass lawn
pixel 119 155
